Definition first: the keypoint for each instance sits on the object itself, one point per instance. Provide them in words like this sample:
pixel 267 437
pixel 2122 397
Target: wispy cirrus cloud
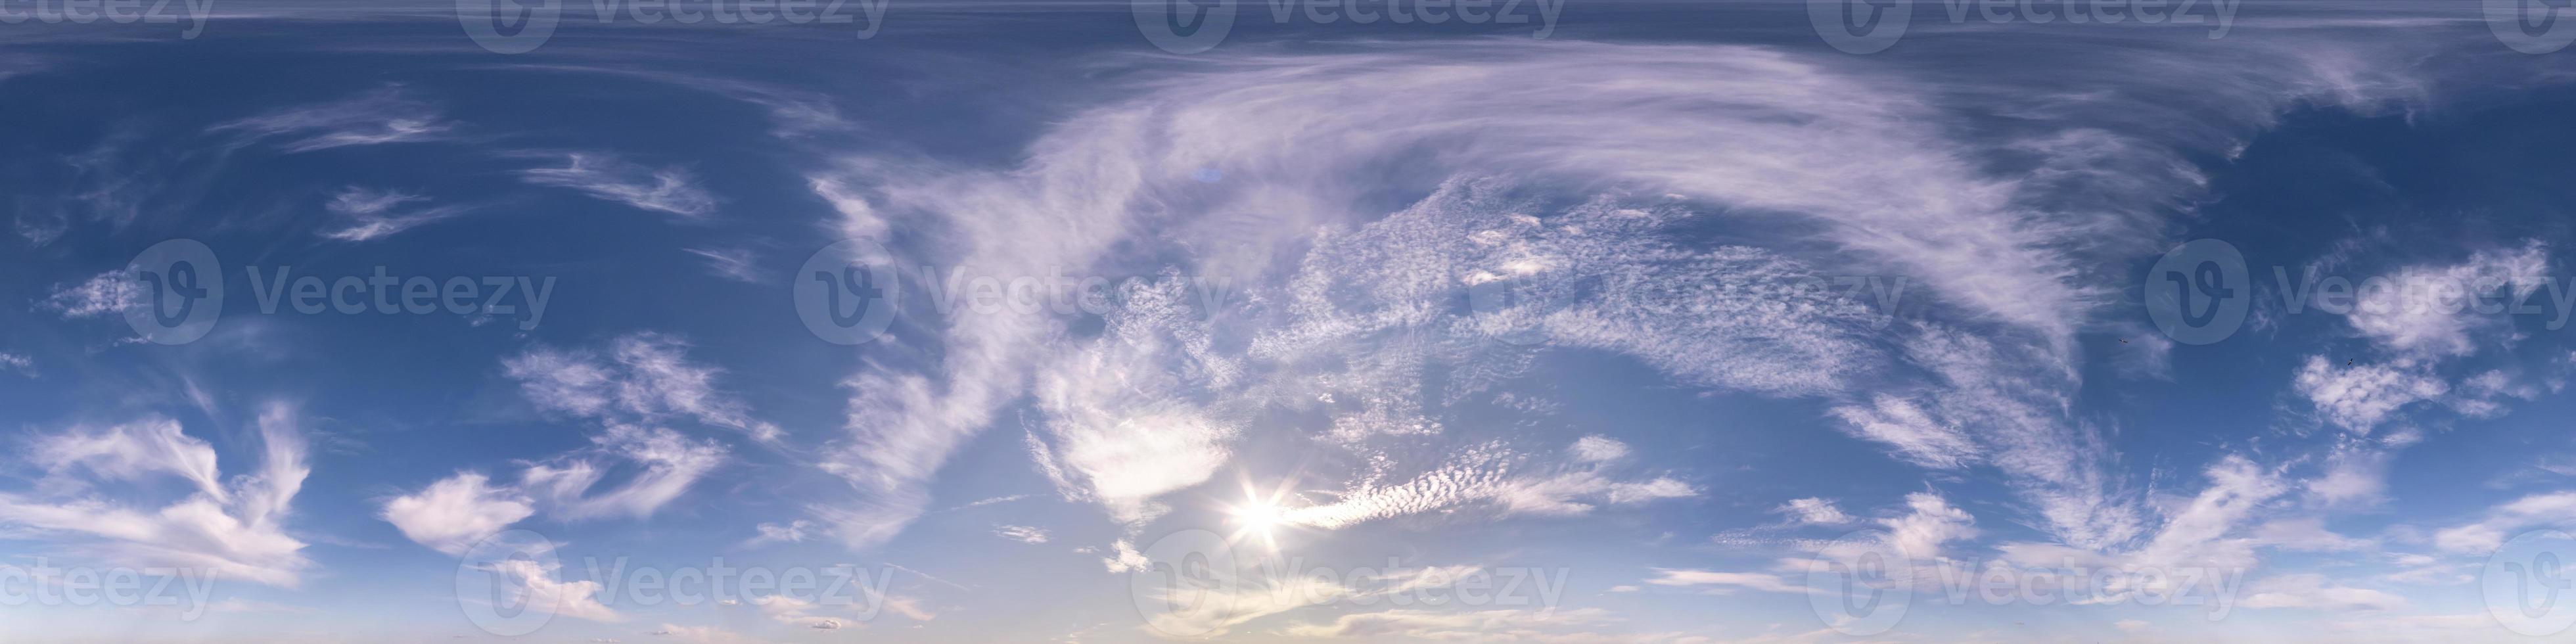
pixel 737 264
pixel 671 189
pixel 643 378
pixel 386 115
pixel 368 213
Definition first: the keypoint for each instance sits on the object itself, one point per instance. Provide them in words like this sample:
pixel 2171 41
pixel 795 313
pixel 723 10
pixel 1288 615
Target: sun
pixel 1260 515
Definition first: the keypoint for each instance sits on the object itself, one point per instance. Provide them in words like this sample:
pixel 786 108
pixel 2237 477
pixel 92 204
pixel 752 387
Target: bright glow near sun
pixel 1260 515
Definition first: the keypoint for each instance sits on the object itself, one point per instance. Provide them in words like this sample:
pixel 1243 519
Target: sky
pixel 1341 320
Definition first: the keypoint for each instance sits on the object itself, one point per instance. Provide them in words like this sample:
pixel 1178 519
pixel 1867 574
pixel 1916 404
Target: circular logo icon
pixel 177 291
pixel 846 293
pixel 1183 26
pixel 2530 26
pixel 2529 584
pixel 1186 587
pixel 1860 26
pixel 1860 584
pixel 509 26
pixel 2199 292
pixel 492 582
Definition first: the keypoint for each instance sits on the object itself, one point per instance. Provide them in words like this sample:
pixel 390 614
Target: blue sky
pixel 1130 322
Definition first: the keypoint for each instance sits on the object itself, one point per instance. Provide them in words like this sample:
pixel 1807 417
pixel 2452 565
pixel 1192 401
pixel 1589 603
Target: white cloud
pixel 538 588
pixel 457 512
pixel 666 462
pixel 105 294
pixel 671 189
pixel 2489 533
pixel 2308 534
pixel 735 264
pixel 2359 397
pixel 2429 310
pixel 790 532
pixel 131 452
pixel 235 529
pixel 1930 521
pixel 1492 477
pixel 1483 625
pixel 19 363
pixel 1021 533
pixel 701 634
pixel 375 214
pixel 1598 449
pixel 1813 511
pixel 1905 426
pixel 386 115
pixel 646 378
pixel 2313 591
pixel 1766 582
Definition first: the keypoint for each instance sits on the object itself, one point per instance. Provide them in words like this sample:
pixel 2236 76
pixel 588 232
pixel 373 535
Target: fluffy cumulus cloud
pixel 454 514
pixel 2435 310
